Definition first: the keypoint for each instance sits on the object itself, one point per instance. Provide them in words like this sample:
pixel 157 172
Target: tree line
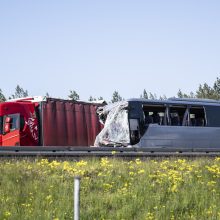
pixel 22 93
pixel 204 91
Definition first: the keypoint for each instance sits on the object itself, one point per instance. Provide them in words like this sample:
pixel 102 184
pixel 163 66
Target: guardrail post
pixel 76 197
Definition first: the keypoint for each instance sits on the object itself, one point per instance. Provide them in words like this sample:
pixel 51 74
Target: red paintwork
pixel 67 123
pixel 26 110
pixel 11 139
pixel 64 123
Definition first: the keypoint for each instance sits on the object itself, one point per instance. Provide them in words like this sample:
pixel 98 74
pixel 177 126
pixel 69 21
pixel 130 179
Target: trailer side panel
pixel 68 123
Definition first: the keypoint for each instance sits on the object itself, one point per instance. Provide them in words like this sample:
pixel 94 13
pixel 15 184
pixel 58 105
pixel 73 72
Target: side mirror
pixel 8 120
pixel 7 128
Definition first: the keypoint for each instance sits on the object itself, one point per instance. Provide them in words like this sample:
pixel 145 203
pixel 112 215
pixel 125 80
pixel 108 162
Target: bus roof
pixel 177 101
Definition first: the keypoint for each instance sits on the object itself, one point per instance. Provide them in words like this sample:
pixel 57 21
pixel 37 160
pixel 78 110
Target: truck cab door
pixel 11 130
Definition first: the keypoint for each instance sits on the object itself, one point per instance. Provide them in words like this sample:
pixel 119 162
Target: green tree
pixel 19 93
pixel 116 97
pixel 206 92
pixel 152 96
pixel 144 95
pixel 2 97
pixel 216 86
pixel 216 89
pixel 47 95
pixel 180 94
pixel 73 95
pixel 163 97
pixel 91 99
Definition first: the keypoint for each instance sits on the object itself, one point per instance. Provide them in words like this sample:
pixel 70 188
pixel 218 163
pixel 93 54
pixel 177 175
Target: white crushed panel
pixel 116 126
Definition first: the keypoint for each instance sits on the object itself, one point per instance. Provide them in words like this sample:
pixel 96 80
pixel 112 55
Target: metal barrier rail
pixel 59 151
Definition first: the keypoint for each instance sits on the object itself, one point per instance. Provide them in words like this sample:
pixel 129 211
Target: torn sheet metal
pixel 116 126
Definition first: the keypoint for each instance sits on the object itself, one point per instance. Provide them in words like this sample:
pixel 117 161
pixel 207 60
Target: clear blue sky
pixel 96 47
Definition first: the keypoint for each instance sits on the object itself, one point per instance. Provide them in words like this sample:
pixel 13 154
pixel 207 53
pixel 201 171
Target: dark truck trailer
pixel 48 122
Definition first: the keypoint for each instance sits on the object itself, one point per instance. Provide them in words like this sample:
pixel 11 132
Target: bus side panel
pixel 212 116
pixel 180 137
pixel 67 123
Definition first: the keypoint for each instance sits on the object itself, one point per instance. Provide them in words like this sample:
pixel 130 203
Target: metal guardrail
pixel 64 151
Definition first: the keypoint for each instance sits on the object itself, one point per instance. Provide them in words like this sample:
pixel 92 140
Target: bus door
pixel 11 130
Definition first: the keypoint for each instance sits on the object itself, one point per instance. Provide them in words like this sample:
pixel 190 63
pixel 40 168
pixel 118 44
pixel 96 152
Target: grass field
pixel 111 189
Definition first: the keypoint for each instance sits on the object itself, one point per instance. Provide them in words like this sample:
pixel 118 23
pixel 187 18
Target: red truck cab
pixel 18 123
pixel 41 121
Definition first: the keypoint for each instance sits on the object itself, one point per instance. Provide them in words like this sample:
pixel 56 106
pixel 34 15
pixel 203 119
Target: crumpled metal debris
pixel 116 127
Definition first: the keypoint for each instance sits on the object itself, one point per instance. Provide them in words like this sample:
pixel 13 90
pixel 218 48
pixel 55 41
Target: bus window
pixel 154 114
pixel 197 116
pixel 177 115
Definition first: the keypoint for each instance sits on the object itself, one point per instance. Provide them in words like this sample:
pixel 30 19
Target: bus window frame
pixel 176 106
pixel 205 116
pixel 162 106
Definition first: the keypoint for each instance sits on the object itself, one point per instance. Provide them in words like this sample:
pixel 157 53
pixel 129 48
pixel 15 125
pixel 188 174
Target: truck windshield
pixel 1 124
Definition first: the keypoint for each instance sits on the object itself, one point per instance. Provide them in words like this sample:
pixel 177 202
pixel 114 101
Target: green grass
pixel 111 189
